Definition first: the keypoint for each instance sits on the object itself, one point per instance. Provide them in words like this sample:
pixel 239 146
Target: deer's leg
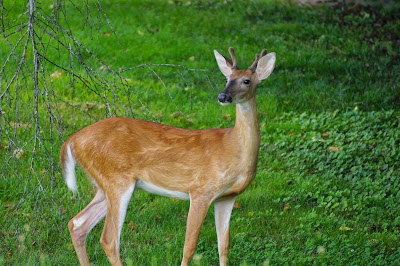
pixel 81 224
pixel 223 210
pixel 197 212
pixel 117 204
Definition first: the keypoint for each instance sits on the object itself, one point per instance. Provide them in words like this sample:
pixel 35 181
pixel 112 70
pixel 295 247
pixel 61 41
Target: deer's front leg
pixel 223 209
pixel 197 212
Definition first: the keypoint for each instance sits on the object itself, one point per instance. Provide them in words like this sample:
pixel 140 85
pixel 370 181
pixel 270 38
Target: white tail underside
pixel 69 170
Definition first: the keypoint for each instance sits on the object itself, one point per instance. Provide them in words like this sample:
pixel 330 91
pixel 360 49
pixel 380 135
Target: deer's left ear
pixel 265 66
pixel 224 64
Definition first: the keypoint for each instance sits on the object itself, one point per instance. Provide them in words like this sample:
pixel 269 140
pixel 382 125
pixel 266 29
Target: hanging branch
pixel 33 117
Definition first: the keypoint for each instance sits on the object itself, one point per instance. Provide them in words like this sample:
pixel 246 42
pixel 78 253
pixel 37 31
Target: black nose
pixel 223 98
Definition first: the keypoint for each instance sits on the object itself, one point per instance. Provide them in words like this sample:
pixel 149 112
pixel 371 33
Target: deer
pixel 209 166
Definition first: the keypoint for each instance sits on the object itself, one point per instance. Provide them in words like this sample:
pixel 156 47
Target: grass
pixel 327 186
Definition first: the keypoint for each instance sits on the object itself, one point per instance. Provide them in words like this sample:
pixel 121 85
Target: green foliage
pixel 344 168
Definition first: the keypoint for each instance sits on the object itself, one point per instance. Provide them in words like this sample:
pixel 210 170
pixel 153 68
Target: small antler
pixel 258 57
pixel 233 56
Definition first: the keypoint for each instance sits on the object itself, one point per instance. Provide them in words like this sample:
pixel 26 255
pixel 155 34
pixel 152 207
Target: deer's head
pixel 241 83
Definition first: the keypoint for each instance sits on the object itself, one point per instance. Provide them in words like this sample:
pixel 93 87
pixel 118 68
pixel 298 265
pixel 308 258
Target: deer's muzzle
pixel 224 98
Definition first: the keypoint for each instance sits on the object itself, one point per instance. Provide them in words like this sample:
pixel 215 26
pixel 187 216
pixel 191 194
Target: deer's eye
pixel 247 81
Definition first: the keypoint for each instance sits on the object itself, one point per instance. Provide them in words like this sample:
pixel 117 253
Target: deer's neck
pixel 247 132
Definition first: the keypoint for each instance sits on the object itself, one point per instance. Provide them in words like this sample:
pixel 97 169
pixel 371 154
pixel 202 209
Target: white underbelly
pixel 150 188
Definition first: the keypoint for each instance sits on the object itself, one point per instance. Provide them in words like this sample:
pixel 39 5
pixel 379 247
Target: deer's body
pixel 203 166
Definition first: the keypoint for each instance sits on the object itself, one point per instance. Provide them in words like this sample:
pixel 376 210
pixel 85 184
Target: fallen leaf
pixel 237 205
pixel 197 258
pixel 88 106
pixel 321 249
pixel 20 125
pixel 345 228
pixel 107 34
pixel 18 153
pixel 286 207
pixel 325 135
pixel 21 238
pixel 192 58
pixel 27 227
pixel 132 226
pixel 56 74
pixel 140 33
pixel 333 148
pixel 314 139
pixel 227 117
pixel 157 218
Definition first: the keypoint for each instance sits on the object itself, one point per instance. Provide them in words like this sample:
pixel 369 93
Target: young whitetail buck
pixel 203 166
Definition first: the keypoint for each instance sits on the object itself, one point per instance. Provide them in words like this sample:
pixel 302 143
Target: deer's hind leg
pixel 117 204
pixel 80 226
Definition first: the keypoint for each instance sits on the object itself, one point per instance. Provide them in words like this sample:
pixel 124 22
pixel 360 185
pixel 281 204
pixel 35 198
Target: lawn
pixel 327 186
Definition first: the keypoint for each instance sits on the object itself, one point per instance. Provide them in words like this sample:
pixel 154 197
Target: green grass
pixel 327 186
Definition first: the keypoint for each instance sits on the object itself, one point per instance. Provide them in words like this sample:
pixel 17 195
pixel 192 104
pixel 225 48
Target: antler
pixel 233 56
pixel 258 57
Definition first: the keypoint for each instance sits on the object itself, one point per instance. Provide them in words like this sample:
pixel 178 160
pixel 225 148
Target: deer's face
pixel 240 87
pixel 241 84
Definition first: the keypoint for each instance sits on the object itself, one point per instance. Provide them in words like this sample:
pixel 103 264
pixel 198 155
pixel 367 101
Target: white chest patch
pixel 150 188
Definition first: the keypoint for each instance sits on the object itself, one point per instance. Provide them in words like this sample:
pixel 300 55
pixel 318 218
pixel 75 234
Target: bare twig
pixel 37 113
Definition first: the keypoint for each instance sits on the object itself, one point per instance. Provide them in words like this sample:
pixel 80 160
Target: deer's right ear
pixel 265 66
pixel 224 64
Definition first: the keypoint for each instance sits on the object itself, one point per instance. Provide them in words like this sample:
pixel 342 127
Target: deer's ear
pixel 224 64
pixel 265 66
